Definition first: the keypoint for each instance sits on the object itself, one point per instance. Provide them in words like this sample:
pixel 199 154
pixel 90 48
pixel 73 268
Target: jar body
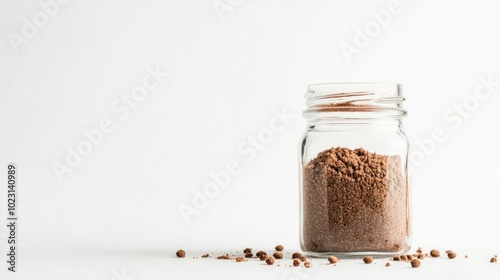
pixel 354 192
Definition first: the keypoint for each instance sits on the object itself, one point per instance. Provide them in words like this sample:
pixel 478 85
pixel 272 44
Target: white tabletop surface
pixel 152 265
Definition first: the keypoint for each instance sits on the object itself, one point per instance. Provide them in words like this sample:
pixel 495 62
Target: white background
pixel 118 211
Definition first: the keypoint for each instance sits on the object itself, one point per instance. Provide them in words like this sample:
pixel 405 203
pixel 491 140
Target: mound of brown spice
pixel 354 200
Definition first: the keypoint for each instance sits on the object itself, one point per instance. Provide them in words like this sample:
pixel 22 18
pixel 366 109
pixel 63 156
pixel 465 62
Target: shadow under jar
pixel 354 190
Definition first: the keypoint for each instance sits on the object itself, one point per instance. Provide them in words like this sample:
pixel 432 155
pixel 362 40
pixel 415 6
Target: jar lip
pixel 356 101
pixel 381 89
pixel 354 83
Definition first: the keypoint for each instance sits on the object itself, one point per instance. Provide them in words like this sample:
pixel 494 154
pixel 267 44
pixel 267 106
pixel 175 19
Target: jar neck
pixel 367 105
pixel 353 125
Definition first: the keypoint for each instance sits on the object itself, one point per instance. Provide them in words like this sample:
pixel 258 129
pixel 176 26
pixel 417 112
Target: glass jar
pixel 354 191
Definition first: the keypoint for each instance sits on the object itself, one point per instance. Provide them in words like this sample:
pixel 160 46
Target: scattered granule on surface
pixel 224 257
pixel 270 260
pixel 466 257
pixel 415 260
pixel 333 259
pixel 426 255
pixel 368 259
pixel 278 255
pixel 419 250
pixel 296 255
pixel 247 251
pixel 180 254
pixel 279 248
pixel 354 200
pixel 259 253
pixel 435 253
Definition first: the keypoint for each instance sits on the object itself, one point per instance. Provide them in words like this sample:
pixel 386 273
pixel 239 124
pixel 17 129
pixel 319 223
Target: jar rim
pixel 382 89
pixel 340 101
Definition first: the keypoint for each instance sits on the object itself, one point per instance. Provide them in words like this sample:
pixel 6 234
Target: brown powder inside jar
pixel 354 201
